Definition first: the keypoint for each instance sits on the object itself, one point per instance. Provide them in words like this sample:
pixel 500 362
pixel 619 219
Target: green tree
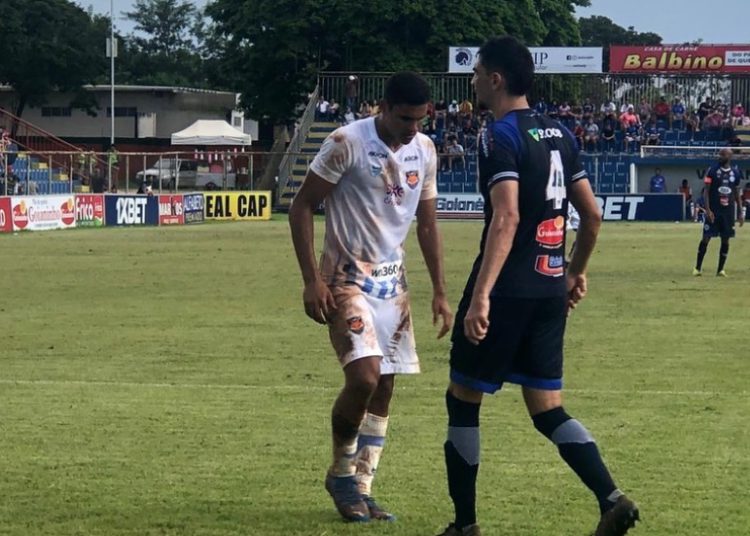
pixel 272 50
pixel 600 31
pixel 164 49
pixel 49 45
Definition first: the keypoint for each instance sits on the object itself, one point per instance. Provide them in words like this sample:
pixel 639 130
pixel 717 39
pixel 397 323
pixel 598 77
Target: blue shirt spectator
pixel 541 107
pixel 658 184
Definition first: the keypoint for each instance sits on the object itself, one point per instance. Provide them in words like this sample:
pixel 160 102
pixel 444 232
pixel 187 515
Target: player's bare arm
pixel 317 297
pixel 500 236
pixel 582 197
pixel 431 245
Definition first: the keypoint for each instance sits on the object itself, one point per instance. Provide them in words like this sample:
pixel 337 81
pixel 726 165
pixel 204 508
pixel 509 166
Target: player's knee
pixel 363 385
pixel 549 421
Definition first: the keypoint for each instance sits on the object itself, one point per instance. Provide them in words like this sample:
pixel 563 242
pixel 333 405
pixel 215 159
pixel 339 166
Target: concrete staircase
pixel 318 132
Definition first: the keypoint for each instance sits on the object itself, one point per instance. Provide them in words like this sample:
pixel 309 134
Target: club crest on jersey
pixel 550 233
pixel 356 324
pixel 544 133
pixel 375 170
pixel 394 194
pixel 550 265
pixel 412 179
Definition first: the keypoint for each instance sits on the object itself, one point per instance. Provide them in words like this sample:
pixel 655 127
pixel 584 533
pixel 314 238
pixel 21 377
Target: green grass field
pixel 165 381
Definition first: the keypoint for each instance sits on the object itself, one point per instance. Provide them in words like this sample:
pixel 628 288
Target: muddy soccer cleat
pixel 346 497
pixel 618 520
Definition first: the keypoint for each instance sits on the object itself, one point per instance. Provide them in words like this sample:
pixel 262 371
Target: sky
pixel 677 21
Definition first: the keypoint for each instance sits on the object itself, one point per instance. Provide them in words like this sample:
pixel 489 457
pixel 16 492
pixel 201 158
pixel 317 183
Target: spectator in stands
pixel 441 109
pixel 565 116
pixel 651 135
pixel 608 108
pixel 453 114
pixel 721 107
pixel 629 119
pixel 454 153
pixel 657 184
pixel 541 107
pixel 351 91
pixel 661 111
pixel 687 196
pixel 553 110
pixel 678 114
pixel 333 110
pixel 713 124
pixel 321 109
pixel 608 133
pixel 738 113
pixel 374 107
pixel 466 108
pixel 625 106
pixel 587 111
pixel 591 136
pixel 644 111
pixel 349 116
pixel 579 133
pixel 364 110
pixel 631 141
pixel 692 123
pixel 705 109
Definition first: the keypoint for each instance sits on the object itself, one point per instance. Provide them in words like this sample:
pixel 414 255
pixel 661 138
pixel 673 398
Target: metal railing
pixel 52 172
pixel 295 146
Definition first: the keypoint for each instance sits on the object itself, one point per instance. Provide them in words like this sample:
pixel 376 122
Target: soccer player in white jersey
pixel 375 175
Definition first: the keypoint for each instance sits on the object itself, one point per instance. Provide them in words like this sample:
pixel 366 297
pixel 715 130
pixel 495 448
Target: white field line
pixel 312 388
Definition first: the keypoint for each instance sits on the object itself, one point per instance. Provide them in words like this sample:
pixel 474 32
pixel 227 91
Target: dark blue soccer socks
pixel 723 253
pixel 702 247
pixel 462 457
pixel 578 449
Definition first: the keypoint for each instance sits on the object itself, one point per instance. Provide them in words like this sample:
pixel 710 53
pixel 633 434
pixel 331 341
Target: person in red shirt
pixel 661 111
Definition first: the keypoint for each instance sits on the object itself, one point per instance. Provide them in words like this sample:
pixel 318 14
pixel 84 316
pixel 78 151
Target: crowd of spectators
pixel 607 127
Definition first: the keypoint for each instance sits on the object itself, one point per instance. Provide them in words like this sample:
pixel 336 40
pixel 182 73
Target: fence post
pixel 127 174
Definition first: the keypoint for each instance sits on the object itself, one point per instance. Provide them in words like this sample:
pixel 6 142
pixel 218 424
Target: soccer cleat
pixel 618 520
pixel 376 512
pixel 723 273
pixel 346 497
pixel 452 530
pixel 697 273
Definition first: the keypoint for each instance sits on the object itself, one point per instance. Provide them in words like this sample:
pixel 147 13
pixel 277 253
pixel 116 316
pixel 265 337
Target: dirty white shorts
pixel 364 326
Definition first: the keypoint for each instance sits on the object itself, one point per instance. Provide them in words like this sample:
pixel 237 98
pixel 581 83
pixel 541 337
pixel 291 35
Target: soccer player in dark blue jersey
pixel 722 181
pixel 511 320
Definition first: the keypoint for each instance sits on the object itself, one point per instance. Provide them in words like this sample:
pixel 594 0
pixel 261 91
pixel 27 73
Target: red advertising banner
pixel 171 210
pixel 90 210
pixel 6 218
pixel 680 59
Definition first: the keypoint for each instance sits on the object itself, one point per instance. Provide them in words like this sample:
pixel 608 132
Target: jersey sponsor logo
pixel 550 233
pixel 411 158
pixel 385 270
pixel 394 194
pixel 550 265
pixel 377 154
pixel 412 179
pixel 544 133
pixel 356 324
pixel 725 190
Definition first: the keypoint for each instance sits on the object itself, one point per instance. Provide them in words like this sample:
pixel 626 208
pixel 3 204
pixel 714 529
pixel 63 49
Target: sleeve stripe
pixel 581 174
pixel 504 174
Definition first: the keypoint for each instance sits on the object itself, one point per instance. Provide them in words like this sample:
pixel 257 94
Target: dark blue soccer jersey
pixel 542 155
pixel 722 184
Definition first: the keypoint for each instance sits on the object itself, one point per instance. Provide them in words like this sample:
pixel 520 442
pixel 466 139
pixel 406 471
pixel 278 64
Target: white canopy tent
pixel 210 132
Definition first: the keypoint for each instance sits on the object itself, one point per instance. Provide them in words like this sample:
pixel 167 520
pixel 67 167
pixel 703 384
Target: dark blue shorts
pixel 722 226
pixel 524 345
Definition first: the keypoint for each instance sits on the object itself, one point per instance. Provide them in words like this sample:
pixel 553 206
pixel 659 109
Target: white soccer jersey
pixel 369 212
